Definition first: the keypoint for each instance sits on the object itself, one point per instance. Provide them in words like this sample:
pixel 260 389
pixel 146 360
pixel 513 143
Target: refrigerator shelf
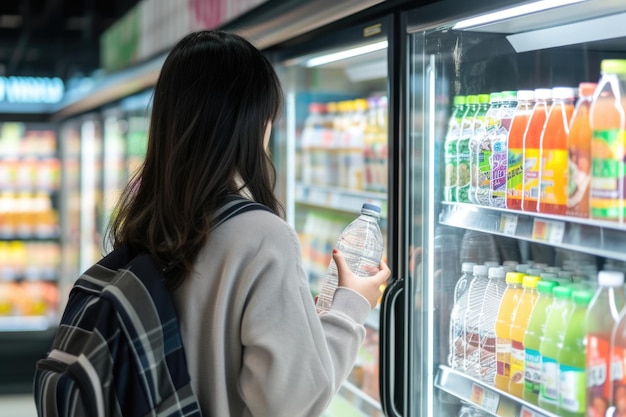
pixel 485 397
pixel 583 235
pixel 24 323
pixel 338 198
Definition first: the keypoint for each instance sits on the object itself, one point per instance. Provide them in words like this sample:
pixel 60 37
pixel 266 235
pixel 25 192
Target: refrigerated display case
pixel 459 49
pixel 331 148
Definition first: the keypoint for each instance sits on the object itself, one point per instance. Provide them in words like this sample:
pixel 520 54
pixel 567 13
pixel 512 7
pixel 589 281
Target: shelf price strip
pixel 548 231
pixel 485 398
pixel 508 224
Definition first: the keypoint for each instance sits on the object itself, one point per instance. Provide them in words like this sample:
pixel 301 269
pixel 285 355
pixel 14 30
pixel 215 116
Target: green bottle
pixel 572 359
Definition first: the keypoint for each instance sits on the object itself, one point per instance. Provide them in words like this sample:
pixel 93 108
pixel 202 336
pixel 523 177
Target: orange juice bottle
pixel 532 148
pixel 515 163
pixel 518 329
pixel 504 320
pixel 579 142
pixel 608 124
pixel 554 170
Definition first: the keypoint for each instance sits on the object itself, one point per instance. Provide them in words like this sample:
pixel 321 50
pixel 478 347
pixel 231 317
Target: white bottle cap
pixel 467 266
pixel 497 272
pixel 480 269
pixel 610 278
pixel 563 92
pixel 543 93
pixel 525 94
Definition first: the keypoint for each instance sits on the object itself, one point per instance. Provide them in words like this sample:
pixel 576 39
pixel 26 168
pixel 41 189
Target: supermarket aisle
pixel 17 406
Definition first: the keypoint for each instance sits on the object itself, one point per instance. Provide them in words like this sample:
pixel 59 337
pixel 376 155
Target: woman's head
pixel 215 98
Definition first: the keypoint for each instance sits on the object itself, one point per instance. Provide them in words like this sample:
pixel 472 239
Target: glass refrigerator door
pixel 469 355
pixel 331 156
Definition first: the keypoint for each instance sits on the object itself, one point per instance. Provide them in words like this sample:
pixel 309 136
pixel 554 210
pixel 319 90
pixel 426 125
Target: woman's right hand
pixel 368 287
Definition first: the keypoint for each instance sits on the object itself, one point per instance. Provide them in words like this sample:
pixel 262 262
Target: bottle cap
pixel 586 89
pixel 495 96
pixel 458 100
pixel 610 278
pixel 546 287
pixel 525 95
pixel 522 267
pixel 496 272
pixel 563 92
pixel 617 66
pixel 582 297
pixel 530 281
pixel 473 99
pixel 543 93
pixel 468 267
pixel 562 292
pixel 548 275
pixel 508 95
pixel 480 269
pixel 514 277
pixel 483 98
pixel 370 208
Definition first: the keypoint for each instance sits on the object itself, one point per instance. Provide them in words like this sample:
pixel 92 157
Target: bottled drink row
pixel 27 215
pixel 344 144
pixel 543 334
pixel 550 150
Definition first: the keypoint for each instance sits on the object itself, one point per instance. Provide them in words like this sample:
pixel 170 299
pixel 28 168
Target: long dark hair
pixel 211 104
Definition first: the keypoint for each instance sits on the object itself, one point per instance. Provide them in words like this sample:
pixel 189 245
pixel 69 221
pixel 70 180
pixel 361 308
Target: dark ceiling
pixel 55 37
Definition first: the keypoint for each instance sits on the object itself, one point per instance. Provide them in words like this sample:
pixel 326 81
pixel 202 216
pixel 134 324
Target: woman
pixel 254 342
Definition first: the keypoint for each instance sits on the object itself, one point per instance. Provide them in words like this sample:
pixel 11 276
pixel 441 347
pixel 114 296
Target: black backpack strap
pixel 234 204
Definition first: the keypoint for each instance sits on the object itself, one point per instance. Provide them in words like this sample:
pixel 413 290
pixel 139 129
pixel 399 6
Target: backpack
pixel 118 350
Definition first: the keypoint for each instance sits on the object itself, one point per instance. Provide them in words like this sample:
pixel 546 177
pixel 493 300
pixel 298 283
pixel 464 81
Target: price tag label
pixel 485 398
pixel 508 224
pixel 527 412
pixel 548 230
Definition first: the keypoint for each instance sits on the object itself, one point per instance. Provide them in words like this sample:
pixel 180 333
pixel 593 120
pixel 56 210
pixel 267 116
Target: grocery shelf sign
pixel 31 90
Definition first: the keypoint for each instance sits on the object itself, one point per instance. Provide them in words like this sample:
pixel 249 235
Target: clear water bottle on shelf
pixel 457 317
pixel 475 295
pixel 361 243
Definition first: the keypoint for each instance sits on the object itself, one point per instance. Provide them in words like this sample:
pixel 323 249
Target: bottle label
pixel 532 371
pixel 463 170
pixel 531 174
pixel 499 168
pixel 549 391
pixel 607 174
pixel 503 357
pixel 484 171
pixel 517 362
pixel 598 384
pixel 515 173
pixel 554 176
pixel 450 167
pixel 572 389
pixel 618 377
pixel 578 185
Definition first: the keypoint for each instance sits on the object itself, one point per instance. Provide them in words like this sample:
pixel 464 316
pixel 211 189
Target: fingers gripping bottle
pixel 602 316
pixel 362 245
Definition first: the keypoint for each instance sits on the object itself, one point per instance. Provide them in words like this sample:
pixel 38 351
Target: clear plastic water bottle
pixel 475 295
pixel 487 323
pixel 361 243
pixel 457 316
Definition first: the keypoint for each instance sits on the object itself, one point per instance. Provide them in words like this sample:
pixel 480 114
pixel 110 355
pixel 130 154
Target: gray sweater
pixel 254 342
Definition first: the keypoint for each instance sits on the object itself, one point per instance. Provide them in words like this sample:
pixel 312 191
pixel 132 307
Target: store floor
pixel 19 405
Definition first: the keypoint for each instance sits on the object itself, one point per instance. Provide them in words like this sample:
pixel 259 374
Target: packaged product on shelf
pixel 462 150
pixel 554 170
pixel 532 149
pixel 554 332
pixel 450 147
pixel 571 358
pixel 475 295
pixel 532 340
pixel 504 320
pixel 484 151
pixel 457 315
pixel 480 130
pixel 521 315
pixel 312 134
pixel 487 322
pixel 579 146
pixel 375 149
pixel 608 125
pixel 515 149
pixel 498 138
pixel 603 314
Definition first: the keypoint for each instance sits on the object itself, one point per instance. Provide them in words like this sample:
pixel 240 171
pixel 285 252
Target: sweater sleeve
pixel 294 361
